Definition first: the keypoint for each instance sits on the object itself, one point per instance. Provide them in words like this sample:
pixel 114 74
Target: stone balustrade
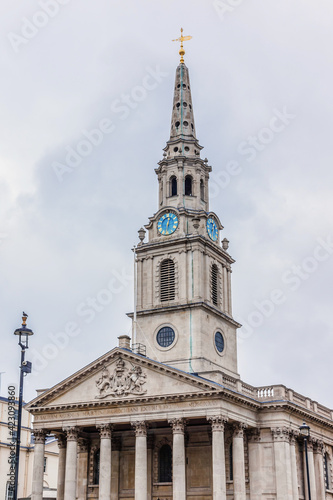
pixel 276 393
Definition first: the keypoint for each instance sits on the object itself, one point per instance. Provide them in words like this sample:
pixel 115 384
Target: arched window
pixel 326 473
pixel 231 466
pixel 173 186
pixel 202 190
pixel 165 464
pixel 188 185
pixel 167 280
pixel 214 284
pixel 96 467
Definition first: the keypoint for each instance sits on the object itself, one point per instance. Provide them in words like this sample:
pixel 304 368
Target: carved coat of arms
pixel 121 381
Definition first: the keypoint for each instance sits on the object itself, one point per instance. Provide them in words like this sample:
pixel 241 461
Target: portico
pixel 117 446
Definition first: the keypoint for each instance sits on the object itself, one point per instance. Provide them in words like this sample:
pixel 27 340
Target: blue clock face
pixel 212 229
pixel 168 223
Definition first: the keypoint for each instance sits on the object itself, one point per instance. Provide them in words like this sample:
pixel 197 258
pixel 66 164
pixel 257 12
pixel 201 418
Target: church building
pixel 166 415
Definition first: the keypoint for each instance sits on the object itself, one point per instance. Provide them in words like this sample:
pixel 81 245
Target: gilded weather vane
pixel 182 39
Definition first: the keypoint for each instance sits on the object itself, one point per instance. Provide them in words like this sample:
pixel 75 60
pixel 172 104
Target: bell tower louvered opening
pixel 167 280
pixel 214 284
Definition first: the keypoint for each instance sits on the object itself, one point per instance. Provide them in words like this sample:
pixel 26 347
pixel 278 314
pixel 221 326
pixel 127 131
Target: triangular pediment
pixel 121 375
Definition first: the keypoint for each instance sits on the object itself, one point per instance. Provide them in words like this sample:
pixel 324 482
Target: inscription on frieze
pixel 122 381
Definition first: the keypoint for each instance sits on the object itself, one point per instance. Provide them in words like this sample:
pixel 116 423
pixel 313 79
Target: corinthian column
pixel 238 462
pixel 318 455
pixel 178 459
pixel 284 488
pixel 218 457
pixel 255 470
pixel 71 463
pixel 293 465
pixel 38 470
pixel 312 470
pixel 140 460
pixel 105 462
pixel 61 466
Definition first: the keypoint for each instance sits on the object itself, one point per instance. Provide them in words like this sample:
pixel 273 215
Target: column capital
pixel 140 428
pixel 217 422
pixel 61 437
pixel 239 428
pixel 178 425
pixel 72 433
pixel 83 445
pixel 104 431
pixel 293 435
pixel 40 435
pixel 318 446
pixel 280 434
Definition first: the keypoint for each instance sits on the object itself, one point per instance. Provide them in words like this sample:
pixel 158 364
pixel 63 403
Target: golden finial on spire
pixel 182 39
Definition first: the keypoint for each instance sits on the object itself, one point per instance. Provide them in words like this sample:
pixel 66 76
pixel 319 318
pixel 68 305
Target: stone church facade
pixel 167 415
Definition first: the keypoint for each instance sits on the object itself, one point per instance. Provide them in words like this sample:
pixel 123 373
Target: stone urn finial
pixel 142 235
pixel 225 244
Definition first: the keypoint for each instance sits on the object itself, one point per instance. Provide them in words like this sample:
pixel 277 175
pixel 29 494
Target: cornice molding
pixel 193 305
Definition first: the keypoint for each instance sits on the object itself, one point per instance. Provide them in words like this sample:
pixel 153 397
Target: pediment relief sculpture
pixel 122 381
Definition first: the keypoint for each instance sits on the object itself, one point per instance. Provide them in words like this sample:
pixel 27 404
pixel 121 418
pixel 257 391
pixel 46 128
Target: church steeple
pixel 183 294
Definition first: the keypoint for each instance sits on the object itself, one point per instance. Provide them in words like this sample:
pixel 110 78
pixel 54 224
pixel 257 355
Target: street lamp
pixel 305 433
pixel 23 333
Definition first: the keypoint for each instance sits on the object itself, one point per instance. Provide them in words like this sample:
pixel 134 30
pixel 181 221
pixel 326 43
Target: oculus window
pixel 165 336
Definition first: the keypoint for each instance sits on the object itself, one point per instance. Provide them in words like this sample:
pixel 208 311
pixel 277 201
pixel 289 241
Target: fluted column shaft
pixel 255 471
pixel 71 464
pixel 218 458
pixel 312 471
pixel 318 455
pixel 140 460
pixel 61 466
pixel 284 489
pixel 178 459
pixel 293 465
pixel 105 462
pixel 238 462
pixel 38 469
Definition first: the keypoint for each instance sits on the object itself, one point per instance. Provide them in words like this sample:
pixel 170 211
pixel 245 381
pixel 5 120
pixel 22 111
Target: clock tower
pixel 183 272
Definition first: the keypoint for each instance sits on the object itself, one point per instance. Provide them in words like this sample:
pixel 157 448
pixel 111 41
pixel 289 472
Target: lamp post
pixel 23 333
pixel 305 433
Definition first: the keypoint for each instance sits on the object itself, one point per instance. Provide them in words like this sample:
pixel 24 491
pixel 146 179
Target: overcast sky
pixel 86 96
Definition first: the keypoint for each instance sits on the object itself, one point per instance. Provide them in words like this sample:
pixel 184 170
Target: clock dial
pixel 168 223
pixel 212 229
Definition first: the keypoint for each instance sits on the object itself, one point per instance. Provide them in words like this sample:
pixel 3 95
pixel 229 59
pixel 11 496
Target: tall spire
pixel 182 120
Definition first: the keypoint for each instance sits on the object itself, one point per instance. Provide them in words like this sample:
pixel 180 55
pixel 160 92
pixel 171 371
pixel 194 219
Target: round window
pixel 219 341
pixel 165 336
